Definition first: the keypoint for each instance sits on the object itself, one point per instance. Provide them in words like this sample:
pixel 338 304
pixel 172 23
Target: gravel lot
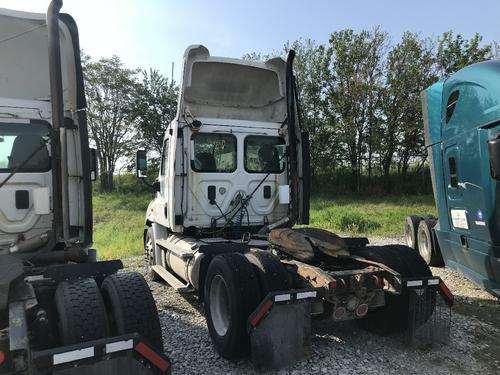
pixel 343 348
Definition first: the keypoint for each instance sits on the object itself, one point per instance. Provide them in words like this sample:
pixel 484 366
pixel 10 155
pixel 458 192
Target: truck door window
pixel 18 141
pixel 453 172
pixel 214 153
pixel 452 103
pixel 264 154
pixel 164 158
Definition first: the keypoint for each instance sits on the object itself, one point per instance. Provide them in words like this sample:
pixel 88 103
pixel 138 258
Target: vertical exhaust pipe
pixel 56 96
pixel 292 134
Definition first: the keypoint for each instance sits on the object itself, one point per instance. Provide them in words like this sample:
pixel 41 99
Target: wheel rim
pixel 424 246
pixel 219 305
pixel 148 246
pixel 408 235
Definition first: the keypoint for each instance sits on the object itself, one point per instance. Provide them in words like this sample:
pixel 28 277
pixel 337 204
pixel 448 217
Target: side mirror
pixel 93 164
pixel 141 164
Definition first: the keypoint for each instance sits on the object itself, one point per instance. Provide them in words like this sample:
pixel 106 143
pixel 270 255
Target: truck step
pixel 173 281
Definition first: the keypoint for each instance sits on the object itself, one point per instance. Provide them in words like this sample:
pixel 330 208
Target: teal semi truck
pixel 462 137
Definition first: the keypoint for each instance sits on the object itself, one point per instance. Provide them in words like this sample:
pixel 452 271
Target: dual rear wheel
pixel 123 304
pixel 419 235
pixel 234 286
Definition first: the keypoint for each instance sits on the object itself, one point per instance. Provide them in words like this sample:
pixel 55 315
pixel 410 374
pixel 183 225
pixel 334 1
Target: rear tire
pixel 231 295
pixel 393 316
pixel 271 274
pixel 426 248
pixel 150 254
pixel 81 311
pixel 131 307
pixel 410 231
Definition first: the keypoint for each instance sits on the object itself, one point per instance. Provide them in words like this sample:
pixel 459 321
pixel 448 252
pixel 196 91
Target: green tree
pixel 455 52
pixel 110 89
pixel 409 70
pixel 353 81
pixel 154 107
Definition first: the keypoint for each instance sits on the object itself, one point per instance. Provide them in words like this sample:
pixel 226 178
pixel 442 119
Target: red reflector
pixel 152 356
pixel 446 291
pixel 332 285
pixel 260 314
pixel 2 357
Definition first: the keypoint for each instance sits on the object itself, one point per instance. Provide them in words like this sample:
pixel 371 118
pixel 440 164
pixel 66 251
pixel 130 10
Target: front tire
pixel 231 294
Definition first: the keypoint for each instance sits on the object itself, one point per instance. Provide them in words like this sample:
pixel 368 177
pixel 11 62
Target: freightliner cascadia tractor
pixel 61 311
pixel 234 179
pixel 462 136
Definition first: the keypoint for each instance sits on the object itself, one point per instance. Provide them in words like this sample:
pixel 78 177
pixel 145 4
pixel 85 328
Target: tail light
pixel 2 357
pixel 337 284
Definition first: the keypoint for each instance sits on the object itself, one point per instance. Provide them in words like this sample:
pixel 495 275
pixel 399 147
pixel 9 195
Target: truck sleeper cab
pixel 462 128
pixel 233 181
pixel 61 311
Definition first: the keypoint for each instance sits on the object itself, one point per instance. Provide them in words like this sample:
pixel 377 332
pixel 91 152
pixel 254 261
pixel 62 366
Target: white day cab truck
pixel 234 179
pixel 61 311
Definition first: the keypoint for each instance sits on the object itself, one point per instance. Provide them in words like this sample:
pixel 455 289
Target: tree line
pixel 359 94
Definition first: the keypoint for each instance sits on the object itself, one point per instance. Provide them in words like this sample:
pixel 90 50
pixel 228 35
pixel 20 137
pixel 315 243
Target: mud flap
pixel 429 314
pixel 124 355
pixel 280 328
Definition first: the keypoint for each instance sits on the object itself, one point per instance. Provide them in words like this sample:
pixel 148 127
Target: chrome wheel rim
pixel 424 246
pixel 408 237
pixel 219 305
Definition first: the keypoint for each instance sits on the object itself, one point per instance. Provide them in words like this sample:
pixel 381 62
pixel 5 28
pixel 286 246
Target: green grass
pixel 118 224
pixel 367 215
pixel 119 218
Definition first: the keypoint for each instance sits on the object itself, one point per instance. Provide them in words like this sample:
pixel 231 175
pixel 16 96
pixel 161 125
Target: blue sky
pixel 153 33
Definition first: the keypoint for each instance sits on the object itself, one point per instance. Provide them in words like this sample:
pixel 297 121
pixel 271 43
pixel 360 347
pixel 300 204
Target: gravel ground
pixel 343 348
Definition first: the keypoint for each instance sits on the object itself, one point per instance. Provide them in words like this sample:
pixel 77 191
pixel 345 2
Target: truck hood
pixel 24 64
pixel 219 87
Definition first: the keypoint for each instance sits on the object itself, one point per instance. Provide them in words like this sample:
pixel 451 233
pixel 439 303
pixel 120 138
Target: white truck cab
pixel 34 212
pixel 224 166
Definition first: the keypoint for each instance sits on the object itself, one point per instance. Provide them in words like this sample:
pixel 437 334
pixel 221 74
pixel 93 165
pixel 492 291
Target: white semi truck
pixel 61 311
pixel 234 179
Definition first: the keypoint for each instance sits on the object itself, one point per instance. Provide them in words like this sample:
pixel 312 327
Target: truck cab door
pixel 162 196
pixel 464 178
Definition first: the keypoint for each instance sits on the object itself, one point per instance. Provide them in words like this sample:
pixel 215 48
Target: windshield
pixel 264 154
pixel 18 141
